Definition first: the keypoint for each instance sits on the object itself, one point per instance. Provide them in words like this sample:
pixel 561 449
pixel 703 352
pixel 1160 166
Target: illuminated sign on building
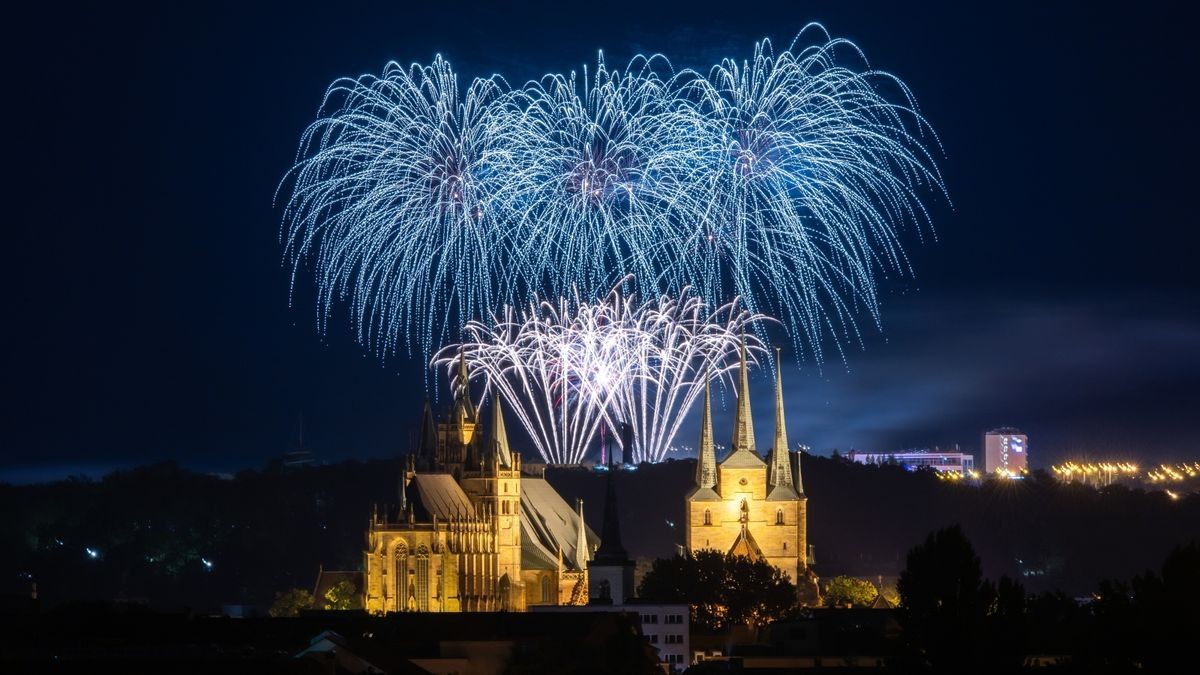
pixel 1005 451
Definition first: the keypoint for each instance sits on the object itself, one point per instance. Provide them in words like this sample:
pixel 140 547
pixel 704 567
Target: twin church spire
pixel 742 447
pixel 779 467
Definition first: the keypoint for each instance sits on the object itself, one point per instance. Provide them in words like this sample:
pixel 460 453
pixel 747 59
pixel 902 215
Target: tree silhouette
pixel 942 597
pixel 1149 622
pixel 723 590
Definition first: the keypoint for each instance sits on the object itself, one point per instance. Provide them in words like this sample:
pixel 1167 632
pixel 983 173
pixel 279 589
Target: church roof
pixel 703 494
pixel 438 494
pixel 881 602
pixel 548 525
pixel 745 545
pixel 742 459
pixel 781 493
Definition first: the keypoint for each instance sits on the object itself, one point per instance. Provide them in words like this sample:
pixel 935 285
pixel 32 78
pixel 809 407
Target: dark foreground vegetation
pixel 950 619
pixel 174 539
pixel 94 638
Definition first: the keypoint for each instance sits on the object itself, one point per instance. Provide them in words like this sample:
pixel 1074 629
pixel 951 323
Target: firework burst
pixel 567 367
pixel 785 179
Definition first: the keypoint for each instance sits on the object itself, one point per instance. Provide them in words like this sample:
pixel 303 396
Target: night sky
pixel 148 313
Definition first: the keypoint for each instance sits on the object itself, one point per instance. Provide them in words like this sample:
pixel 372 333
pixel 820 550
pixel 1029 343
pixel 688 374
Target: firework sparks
pixel 569 366
pixel 785 179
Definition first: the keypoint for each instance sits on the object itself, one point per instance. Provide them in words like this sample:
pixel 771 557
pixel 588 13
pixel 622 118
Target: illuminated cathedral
pixel 471 531
pixel 746 506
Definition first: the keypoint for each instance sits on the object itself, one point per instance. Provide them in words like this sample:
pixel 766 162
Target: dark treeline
pixel 153 529
pixel 863 520
pixel 955 620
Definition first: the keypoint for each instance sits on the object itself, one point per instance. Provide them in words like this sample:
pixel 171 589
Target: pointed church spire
pixel 611 551
pixel 706 464
pixel 403 493
pixel 581 546
pixel 743 423
pixel 427 441
pixel 497 438
pixel 462 394
pixel 779 466
pixel 799 476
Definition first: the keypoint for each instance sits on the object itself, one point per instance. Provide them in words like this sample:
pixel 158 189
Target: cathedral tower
pixel 744 505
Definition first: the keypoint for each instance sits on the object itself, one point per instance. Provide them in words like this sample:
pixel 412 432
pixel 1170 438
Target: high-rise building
pixel 1005 451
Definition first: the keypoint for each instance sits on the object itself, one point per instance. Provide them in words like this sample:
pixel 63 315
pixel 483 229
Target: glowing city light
pixel 92 553
pixel 1107 472
pixel 567 367
pixel 784 179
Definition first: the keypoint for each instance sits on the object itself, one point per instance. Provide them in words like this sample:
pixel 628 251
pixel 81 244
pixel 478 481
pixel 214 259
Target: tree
pixel 941 594
pixel 842 590
pixel 953 618
pixel 723 590
pixel 290 602
pixel 1006 623
pixel 1150 622
pixel 342 595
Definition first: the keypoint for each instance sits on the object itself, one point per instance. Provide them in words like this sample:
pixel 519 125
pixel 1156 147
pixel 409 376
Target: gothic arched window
pixel 399 574
pixel 422 590
pixel 546 589
pixel 778 516
pixel 707 517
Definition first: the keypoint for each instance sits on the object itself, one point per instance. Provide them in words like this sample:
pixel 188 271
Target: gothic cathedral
pixel 471 531
pixel 746 506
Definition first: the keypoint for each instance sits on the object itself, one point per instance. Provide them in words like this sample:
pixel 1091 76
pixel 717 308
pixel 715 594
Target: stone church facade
pixel 745 505
pixel 470 531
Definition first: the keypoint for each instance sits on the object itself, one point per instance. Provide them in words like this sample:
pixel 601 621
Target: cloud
pixel 1111 375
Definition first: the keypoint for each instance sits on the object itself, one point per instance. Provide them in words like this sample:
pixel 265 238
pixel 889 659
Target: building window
pixel 422 579
pixel 785 545
pixel 707 517
pixel 546 589
pixel 778 516
pixel 653 639
pixel 401 574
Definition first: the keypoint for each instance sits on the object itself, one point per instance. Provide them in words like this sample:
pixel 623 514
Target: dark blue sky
pixel 148 311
